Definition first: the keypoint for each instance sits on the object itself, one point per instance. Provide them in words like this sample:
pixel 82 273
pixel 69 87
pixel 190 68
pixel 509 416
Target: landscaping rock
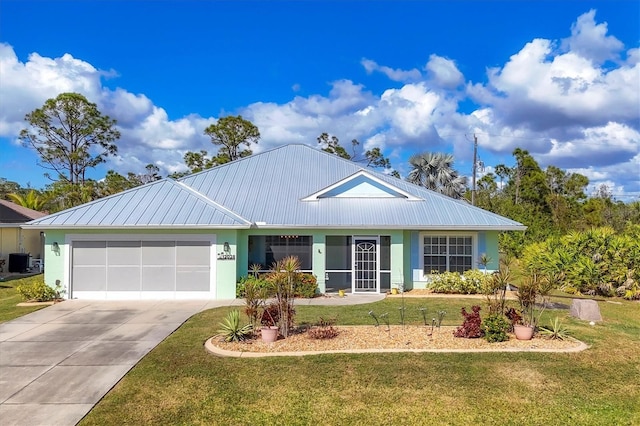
pixel 585 309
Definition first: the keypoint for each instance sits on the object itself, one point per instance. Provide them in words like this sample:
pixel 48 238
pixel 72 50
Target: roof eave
pixel 396 227
pixel 134 227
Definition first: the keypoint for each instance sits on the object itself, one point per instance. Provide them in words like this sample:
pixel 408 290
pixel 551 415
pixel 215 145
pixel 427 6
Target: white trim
pixel 421 235
pixel 67 249
pixel 319 194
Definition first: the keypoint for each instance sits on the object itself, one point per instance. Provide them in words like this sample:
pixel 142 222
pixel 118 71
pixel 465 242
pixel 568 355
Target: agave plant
pixel 231 330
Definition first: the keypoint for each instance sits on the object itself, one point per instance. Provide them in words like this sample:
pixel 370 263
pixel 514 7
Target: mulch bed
pixel 410 337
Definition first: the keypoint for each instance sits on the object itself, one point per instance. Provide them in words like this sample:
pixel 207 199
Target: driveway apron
pixel 58 362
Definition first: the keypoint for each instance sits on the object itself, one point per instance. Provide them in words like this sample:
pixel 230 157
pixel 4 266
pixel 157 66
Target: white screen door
pixel 365 264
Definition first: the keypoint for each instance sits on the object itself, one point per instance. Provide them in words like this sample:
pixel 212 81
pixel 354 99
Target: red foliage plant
pixel 324 329
pixel 471 326
pixel 271 315
pixel 513 316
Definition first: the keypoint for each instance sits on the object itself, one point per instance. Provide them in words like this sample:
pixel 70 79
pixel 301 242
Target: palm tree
pixel 435 171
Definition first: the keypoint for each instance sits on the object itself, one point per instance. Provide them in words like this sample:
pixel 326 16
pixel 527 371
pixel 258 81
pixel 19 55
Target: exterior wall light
pixel 226 247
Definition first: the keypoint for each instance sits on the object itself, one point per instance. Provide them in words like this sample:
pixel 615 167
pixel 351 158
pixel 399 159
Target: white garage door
pixel 142 269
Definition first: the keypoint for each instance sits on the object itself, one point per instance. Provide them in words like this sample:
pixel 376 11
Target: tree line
pixel 71 136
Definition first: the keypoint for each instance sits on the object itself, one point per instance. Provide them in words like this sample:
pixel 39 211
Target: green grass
pixel 9 298
pixel 180 383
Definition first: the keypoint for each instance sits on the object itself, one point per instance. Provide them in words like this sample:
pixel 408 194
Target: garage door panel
pixel 192 278
pixel 89 278
pixel 158 278
pixel 123 278
pixel 158 253
pixel 89 253
pixel 193 253
pixel 132 267
pixel 123 253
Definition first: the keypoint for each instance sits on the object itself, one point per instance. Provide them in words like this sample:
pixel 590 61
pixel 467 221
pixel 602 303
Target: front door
pixel 365 264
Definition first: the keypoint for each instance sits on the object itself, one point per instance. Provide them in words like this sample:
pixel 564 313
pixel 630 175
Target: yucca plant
pixel 555 330
pixel 231 330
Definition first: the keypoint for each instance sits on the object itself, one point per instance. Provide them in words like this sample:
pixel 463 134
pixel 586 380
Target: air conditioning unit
pixel 36 264
pixel 18 262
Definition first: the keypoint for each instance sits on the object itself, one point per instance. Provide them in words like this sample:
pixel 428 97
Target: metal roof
pixel 272 190
pixel 165 203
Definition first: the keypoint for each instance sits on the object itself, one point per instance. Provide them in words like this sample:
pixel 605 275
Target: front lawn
pixel 180 383
pixel 9 298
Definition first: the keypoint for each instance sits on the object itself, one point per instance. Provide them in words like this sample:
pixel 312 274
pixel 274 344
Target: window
pixel 442 253
pixel 267 249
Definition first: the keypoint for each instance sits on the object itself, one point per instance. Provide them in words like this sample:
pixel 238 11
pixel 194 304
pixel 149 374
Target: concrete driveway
pixel 58 362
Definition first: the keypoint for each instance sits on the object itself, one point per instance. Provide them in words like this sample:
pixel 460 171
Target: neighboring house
pixel 354 228
pixel 13 239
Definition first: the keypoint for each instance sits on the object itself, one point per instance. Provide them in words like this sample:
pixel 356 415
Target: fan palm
pixel 435 171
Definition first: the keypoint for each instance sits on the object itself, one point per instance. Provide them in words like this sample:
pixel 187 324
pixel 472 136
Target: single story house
pixel 352 227
pixel 14 239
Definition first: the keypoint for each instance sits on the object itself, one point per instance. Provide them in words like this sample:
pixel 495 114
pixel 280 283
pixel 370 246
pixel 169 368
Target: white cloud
pixel 444 72
pixel 590 40
pixel 397 74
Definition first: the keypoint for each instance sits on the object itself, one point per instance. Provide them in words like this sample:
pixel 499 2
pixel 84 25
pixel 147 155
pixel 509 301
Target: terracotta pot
pixel 269 334
pixel 523 332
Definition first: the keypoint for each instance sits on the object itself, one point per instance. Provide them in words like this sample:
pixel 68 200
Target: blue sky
pixel 560 78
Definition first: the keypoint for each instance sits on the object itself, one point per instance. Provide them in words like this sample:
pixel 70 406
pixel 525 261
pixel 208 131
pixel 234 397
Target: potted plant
pixel 523 331
pixel 258 309
pixel 269 323
pixel 531 288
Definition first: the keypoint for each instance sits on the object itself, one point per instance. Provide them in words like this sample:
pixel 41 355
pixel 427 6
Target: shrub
pixel 446 282
pixel 597 261
pixel 471 326
pixel 474 281
pixel 495 328
pixel 471 282
pixel 324 329
pixel 231 330
pixel 258 283
pixel 37 292
pixel 306 286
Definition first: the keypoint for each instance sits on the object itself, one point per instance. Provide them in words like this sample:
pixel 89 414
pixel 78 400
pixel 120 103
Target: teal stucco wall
pixel 405 252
